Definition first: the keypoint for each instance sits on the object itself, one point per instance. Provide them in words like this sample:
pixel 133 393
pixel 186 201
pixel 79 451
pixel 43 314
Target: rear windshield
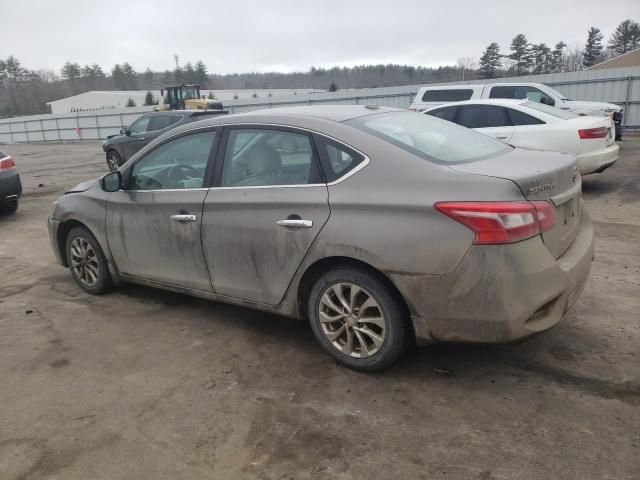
pixel 553 111
pixel 430 137
pixel 447 95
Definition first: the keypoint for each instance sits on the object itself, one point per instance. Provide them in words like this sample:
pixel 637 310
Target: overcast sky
pixel 267 35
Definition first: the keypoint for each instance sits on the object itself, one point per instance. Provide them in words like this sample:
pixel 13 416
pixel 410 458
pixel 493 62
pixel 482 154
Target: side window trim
pixel 331 177
pixel 218 164
pixel 126 174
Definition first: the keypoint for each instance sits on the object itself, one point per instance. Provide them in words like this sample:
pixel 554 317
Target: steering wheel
pixel 186 172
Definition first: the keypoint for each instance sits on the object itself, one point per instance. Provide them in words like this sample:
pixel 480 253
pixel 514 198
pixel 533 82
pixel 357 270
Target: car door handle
pixel 183 218
pixel 295 223
pixel 501 138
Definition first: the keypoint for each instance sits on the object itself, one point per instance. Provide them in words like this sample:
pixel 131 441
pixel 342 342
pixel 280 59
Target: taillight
pixel 599 132
pixel 7 163
pixel 501 222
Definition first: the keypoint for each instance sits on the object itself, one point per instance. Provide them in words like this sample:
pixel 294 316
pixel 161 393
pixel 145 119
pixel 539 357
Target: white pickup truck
pixel 431 96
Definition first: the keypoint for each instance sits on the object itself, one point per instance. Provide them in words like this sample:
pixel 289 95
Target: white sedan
pixel 522 123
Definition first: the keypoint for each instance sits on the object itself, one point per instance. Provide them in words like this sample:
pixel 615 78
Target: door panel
pixel 154 227
pixel 146 242
pixel 249 254
pixel 272 203
pixel 504 134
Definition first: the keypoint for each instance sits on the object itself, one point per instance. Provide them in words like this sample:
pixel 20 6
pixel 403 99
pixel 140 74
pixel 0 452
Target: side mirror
pixel 124 131
pixel 111 182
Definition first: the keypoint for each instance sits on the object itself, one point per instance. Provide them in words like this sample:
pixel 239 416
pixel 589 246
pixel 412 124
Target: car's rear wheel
pixel 87 262
pixel 358 319
pixel 113 160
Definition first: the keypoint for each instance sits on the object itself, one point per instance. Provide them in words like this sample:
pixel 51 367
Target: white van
pixel 431 96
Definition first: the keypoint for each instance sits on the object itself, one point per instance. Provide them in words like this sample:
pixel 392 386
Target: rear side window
pixel 447 113
pixel 160 122
pixel 447 95
pixel 337 160
pixel 519 118
pixel 268 157
pixel 482 116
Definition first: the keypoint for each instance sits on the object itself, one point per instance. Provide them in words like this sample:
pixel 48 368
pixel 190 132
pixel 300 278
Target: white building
pixel 105 100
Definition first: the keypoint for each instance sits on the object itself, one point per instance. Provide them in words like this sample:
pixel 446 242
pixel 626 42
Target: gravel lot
pixel 144 384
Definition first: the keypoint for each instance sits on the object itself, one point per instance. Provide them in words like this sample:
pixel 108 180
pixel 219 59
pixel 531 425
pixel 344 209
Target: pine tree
pixel 333 87
pixel 70 71
pixel 626 37
pixel 189 74
pixel 149 100
pixel 118 78
pixel 130 103
pixel 490 61
pixel 147 78
pixel 130 77
pixel 593 49
pixel 521 54
pixel 542 58
pixel 201 74
pixel 556 56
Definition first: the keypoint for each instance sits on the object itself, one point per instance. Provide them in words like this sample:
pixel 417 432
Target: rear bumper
pixel 500 293
pixel 598 161
pixel 10 186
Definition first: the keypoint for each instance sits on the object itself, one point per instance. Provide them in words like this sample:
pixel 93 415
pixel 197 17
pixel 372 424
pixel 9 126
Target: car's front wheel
pixel 358 319
pixel 113 160
pixel 87 262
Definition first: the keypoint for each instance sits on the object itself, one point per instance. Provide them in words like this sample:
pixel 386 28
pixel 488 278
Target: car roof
pixel 336 113
pixel 503 102
pixel 186 112
pixel 295 115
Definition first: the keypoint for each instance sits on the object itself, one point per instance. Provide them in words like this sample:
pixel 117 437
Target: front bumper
pixel 499 293
pixel 53 226
pixel 598 161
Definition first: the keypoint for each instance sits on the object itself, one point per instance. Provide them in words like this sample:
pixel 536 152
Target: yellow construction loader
pixel 186 97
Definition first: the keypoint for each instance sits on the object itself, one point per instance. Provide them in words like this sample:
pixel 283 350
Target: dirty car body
pixel 412 204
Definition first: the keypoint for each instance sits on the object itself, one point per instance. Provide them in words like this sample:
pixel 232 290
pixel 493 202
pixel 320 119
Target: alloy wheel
pixel 112 161
pixel 352 320
pixel 84 261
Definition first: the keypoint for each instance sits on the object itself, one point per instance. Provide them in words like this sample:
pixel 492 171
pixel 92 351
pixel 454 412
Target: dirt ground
pixel 144 384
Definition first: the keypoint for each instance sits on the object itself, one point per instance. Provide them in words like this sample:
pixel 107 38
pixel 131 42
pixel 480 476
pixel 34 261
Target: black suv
pixel 119 148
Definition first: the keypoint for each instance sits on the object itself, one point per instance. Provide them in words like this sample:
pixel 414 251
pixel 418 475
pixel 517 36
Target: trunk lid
pixel 540 175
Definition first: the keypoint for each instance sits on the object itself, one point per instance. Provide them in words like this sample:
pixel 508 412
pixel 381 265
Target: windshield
pixel 553 111
pixel 430 137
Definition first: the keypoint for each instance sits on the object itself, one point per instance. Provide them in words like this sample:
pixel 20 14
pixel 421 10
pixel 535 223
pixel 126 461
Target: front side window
pixel 447 95
pixel 482 116
pixel 267 157
pixel 522 92
pixel 429 137
pixel 177 164
pixel 139 126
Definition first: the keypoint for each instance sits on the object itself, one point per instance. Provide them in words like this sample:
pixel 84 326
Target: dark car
pixel 119 148
pixel 10 186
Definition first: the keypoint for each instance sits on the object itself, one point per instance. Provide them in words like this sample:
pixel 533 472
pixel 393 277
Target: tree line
pixel 24 91
pixel 525 57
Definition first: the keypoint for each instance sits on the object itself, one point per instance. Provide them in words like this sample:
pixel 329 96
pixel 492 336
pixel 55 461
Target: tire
pixel 387 338
pixel 92 274
pixel 113 160
pixel 9 208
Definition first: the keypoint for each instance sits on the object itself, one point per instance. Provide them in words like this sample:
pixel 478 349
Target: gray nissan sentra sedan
pixel 381 228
